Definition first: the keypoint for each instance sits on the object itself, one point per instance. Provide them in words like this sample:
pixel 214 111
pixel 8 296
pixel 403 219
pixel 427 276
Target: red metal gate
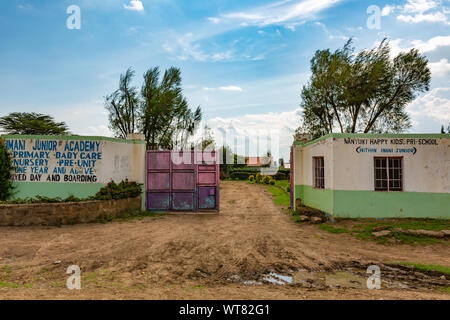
pixel 182 181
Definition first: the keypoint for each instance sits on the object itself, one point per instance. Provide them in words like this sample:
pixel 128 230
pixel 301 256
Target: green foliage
pixel 32 124
pixel 6 167
pixel 43 199
pixel 364 231
pixel 266 179
pixel 159 110
pixel 166 119
pixel 251 178
pixel 425 267
pixel 112 191
pixel 332 229
pixel 363 92
pixel 272 182
pixel 240 175
pixel 122 106
pixel 258 177
pixel 280 197
pixel 124 189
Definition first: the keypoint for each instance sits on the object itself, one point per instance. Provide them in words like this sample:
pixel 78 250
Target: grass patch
pixel 6 268
pixel 283 184
pixel 445 290
pixel 14 285
pixel 424 267
pixel 280 196
pixel 332 229
pixel 364 231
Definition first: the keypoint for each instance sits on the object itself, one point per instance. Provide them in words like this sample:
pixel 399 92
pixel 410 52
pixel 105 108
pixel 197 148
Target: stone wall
pixel 54 214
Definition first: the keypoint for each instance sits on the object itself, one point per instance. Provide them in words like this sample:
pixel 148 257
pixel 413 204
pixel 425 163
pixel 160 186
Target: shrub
pixel 6 167
pixel 251 178
pixel 272 182
pixel 279 176
pixel 240 175
pixel 258 177
pixel 266 179
pixel 124 189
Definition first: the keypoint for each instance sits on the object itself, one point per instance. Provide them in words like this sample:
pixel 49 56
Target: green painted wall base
pixel 58 189
pixel 372 204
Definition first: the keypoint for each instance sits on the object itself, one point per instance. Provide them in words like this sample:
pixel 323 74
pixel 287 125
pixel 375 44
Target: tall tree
pixel 122 106
pixel 166 119
pixel 363 92
pixel 32 123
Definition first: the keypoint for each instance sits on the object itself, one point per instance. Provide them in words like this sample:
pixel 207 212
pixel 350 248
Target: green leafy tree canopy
pixel 362 92
pixel 32 124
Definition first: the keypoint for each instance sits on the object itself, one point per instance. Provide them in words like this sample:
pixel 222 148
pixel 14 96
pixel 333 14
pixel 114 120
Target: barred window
pixel 319 172
pixel 388 174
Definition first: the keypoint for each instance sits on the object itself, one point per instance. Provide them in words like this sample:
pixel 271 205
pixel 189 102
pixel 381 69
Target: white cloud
pixel 279 125
pixel 287 13
pixel 231 88
pixel 225 88
pixel 440 68
pixel 184 47
pixel 135 5
pixel 432 17
pixel 419 6
pixel 24 6
pixel 417 11
pixel 214 20
pixel 430 111
pixel 401 45
pixel 387 10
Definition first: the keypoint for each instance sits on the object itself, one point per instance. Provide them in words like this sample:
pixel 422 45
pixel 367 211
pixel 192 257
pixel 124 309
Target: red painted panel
pixel 183 180
pixel 158 181
pixel 177 185
pixel 206 167
pixel 158 200
pixel 183 160
pixel 159 160
pixel 207 178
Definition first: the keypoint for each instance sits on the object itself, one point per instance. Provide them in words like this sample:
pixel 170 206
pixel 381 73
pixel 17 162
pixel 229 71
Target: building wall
pixel 60 166
pixel 349 175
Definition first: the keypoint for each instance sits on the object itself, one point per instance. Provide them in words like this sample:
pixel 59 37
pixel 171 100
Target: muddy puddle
pixel 391 277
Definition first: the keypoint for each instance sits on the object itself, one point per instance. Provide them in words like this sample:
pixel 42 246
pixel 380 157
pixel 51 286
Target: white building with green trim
pixel 374 175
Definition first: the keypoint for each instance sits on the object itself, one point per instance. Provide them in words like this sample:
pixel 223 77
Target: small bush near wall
pixel 112 191
pixel 240 175
pixel 124 189
pixel 6 185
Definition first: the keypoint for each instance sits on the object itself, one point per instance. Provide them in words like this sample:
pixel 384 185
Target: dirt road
pixel 205 256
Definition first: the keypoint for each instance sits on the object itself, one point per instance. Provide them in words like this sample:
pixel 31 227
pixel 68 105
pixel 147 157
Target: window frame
pixel 387 158
pixel 315 178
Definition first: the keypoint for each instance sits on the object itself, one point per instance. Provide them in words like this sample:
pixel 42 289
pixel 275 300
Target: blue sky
pixel 243 62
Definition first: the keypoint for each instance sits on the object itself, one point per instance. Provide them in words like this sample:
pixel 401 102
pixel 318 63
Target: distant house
pixel 259 161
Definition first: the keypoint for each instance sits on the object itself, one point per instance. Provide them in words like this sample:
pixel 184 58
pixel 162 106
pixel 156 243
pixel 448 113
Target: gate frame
pixel 197 184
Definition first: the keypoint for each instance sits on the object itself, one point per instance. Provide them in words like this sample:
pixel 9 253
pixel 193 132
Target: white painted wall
pixel 303 159
pixel 426 167
pixel 119 160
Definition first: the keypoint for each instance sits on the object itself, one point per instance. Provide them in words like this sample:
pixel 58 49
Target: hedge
pixel 282 174
pixel 241 175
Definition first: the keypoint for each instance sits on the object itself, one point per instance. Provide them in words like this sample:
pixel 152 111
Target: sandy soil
pixel 201 256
